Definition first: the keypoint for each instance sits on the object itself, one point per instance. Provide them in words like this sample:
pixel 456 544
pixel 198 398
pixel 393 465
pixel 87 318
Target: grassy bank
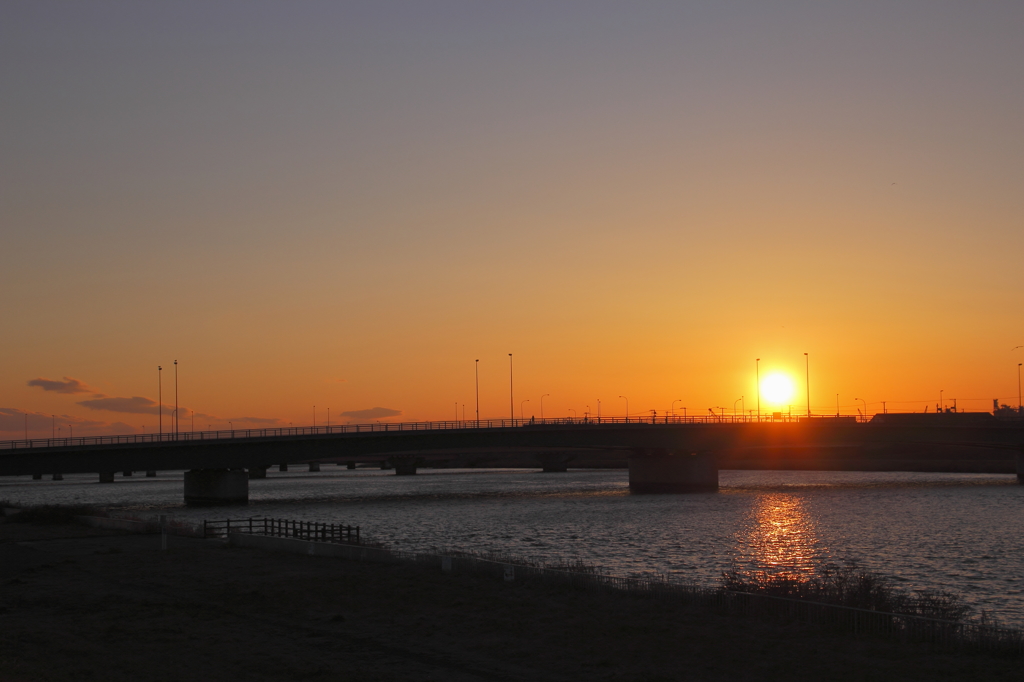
pixel 117 608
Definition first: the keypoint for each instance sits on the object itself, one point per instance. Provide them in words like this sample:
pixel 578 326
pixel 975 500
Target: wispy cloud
pixel 69 385
pixel 372 413
pixel 265 421
pixel 134 405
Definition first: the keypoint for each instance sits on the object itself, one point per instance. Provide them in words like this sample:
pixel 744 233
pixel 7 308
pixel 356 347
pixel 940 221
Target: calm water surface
pixel 961 532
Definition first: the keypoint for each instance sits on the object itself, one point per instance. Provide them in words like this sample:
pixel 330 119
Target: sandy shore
pixel 78 604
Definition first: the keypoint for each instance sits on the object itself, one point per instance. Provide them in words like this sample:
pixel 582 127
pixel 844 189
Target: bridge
pixel 664 454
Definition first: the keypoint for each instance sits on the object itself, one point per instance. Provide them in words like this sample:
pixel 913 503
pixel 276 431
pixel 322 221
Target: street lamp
pixel 521 407
pixel 807 375
pixel 477 365
pixel 175 400
pixel 598 410
pixel 734 406
pixel 757 374
pixel 942 403
pixel 1019 411
pixel 573 413
pixel 672 409
pixel 160 398
pixel 627 407
pixel 546 395
pixel 511 402
pixel 865 406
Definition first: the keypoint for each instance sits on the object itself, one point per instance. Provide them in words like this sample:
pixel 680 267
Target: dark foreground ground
pixel 82 604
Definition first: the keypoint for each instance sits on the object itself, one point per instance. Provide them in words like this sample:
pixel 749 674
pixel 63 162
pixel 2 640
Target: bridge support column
pixel 58 477
pixel 126 474
pixel 385 465
pixel 151 474
pixel 257 472
pixel 350 465
pixel 658 471
pixel 1020 467
pixel 216 486
pixel 553 462
pixel 314 466
pixel 106 477
pixel 282 467
pixel 406 466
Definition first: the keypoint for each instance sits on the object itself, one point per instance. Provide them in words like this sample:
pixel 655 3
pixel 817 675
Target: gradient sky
pixel 346 204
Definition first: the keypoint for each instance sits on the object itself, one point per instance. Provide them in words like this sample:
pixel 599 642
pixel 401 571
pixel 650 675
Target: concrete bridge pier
pixel 406 466
pixel 106 477
pixel 257 472
pixel 150 474
pixel 1020 466
pixel 314 466
pixel 282 467
pixel 216 486
pixel 350 465
pixel 662 471
pixel 554 462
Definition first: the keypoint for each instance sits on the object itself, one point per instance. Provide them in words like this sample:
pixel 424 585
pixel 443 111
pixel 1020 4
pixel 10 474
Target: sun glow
pixel 777 389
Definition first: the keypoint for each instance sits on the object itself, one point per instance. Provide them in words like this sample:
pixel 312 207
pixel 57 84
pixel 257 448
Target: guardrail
pixel 376 427
pixel 284 528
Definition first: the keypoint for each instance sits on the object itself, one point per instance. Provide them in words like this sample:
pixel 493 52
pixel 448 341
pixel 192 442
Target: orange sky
pixel 346 206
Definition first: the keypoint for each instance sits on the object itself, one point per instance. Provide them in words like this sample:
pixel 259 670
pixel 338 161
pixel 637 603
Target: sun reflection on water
pixel 780 537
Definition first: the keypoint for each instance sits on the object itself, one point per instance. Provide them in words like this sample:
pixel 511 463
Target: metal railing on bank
pixel 377 427
pixel 284 528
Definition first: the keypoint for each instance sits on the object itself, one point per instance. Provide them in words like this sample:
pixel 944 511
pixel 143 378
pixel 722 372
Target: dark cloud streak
pixel 69 385
pixel 372 413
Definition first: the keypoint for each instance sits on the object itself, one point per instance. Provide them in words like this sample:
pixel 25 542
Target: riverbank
pixel 81 603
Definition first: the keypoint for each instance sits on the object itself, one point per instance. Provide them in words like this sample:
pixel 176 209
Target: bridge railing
pixel 373 427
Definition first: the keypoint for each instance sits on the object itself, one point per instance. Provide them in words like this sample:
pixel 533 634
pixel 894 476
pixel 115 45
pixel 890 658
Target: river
pixel 957 532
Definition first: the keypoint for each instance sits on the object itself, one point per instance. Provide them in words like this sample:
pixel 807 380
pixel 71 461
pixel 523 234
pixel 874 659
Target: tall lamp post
pixel 160 398
pixel 521 408
pixel 511 401
pixel 627 407
pixel 757 375
pixel 477 365
pixel 175 400
pixel 672 409
pixel 865 406
pixel 807 375
pixel 734 406
pixel 1019 410
pixel 546 395
pixel 942 403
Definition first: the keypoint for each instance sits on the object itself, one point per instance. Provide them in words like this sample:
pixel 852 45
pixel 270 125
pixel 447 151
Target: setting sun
pixel 777 389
